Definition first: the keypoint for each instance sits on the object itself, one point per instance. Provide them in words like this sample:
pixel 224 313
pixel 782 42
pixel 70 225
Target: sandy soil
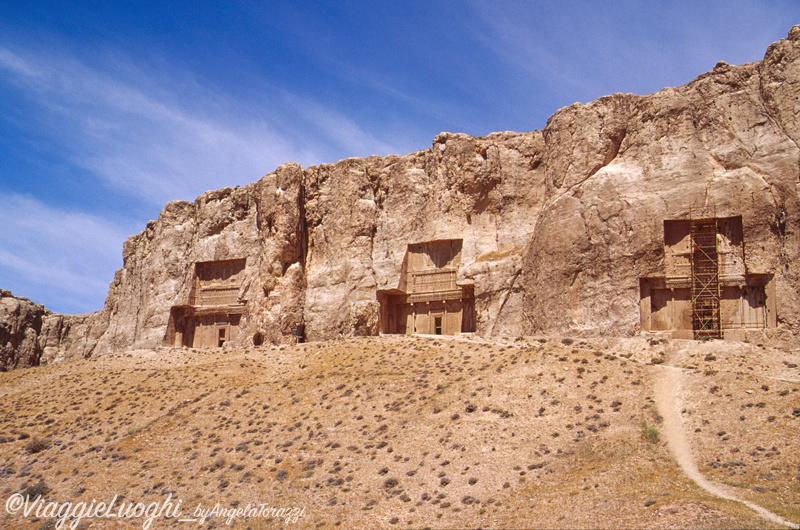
pixel 667 389
pixel 414 432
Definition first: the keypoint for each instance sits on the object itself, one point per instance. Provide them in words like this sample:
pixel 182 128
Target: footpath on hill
pixel 667 397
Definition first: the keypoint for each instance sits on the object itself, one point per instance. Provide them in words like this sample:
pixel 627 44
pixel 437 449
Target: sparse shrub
pixel 567 341
pixel 650 433
pixel 37 445
pixel 36 490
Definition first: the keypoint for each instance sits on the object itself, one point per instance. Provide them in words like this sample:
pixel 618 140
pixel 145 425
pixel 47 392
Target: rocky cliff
pixel 20 327
pixel 558 226
pixel 320 242
pixel 31 335
pixel 725 144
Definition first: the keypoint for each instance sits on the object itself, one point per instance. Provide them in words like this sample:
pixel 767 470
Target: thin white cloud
pixel 71 255
pixel 572 54
pixel 162 136
pixel 439 105
pixel 140 139
pixel 337 129
pixel 589 49
pixel 151 134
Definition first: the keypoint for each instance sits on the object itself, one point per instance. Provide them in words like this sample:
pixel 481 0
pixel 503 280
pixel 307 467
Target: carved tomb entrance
pixel 707 290
pixel 427 299
pixel 212 316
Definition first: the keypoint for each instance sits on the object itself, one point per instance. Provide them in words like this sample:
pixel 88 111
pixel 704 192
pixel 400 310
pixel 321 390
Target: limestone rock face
pixel 20 326
pixel 318 243
pixel 71 336
pixel 31 335
pixel 260 223
pixel 723 145
pixel 557 227
pixel 362 214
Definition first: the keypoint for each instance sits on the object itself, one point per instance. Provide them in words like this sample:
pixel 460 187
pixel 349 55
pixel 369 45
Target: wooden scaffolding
pixel 705 279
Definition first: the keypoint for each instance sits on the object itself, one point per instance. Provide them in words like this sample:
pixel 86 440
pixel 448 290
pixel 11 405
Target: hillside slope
pixel 412 432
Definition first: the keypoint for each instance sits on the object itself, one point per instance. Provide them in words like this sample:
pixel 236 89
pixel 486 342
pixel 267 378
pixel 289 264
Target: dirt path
pixel 667 386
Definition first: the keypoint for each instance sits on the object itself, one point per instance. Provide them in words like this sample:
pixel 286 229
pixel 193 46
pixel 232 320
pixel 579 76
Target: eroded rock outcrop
pixel 31 335
pixel 318 243
pixel 20 326
pixel 555 229
pixel 723 145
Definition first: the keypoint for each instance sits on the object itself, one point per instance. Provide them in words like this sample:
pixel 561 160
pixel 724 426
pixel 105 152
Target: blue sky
pixel 109 110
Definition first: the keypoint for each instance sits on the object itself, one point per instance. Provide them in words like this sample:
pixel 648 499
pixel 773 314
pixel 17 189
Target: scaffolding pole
pixel 705 279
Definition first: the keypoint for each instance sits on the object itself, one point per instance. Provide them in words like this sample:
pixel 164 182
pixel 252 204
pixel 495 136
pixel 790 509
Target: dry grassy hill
pixel 417 432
